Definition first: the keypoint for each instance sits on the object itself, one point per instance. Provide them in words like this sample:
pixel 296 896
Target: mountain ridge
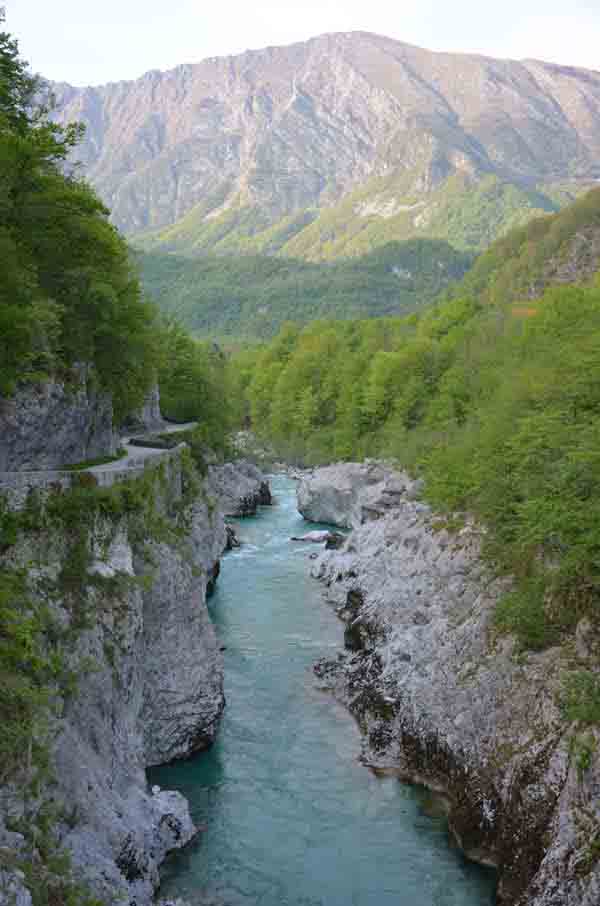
pixel 248 142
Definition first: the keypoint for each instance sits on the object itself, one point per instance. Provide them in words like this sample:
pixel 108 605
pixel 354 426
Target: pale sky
pixel 89 42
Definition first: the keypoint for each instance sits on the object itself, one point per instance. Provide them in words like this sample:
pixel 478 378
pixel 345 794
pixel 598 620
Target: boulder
pixel 240 487
pixel 349 494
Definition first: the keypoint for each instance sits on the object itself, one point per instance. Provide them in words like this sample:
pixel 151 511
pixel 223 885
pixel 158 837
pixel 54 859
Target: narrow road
pixel 135 454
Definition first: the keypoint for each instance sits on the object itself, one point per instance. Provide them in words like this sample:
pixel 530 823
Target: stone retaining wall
pixel 15 486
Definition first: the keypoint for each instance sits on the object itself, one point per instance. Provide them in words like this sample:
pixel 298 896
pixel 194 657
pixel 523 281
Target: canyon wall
pixel 444 700
pixel 134 629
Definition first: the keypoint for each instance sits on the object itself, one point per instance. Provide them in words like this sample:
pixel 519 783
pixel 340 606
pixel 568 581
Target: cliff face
pixel 55 424
pixel 138 635
pixel 444 701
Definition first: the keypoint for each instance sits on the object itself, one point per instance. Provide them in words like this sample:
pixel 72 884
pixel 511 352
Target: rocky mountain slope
pixel 336 145
pixel 445 701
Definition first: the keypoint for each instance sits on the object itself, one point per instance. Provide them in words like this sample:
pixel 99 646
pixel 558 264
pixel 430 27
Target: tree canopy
pixel 499 409
pixel 68 292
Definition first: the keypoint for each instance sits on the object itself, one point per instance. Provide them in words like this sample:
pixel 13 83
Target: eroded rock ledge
pixel 441 699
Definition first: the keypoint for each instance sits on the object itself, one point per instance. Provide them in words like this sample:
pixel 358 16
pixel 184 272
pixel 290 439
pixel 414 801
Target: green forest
pixel 70 290
pixel 498 409
pixel 249 297
pixel 560 248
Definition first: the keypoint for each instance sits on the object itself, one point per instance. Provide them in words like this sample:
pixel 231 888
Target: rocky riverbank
pixel 443 700
pixel 149 678
pixel 240 487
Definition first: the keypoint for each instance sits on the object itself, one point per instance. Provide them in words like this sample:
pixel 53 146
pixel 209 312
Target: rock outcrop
pixel 55 424
pixel 149 417
pixel 150 685
pixel 240 488
pixel 345 494
pixel 444 701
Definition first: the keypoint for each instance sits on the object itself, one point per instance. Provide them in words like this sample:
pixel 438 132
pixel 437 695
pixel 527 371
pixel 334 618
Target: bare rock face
pixel 13 891
pixel 285 130
pixel 443 701
pixel 183 694
pixel 149 417
pixel 55 424
pixel 150 686
pixel 240 488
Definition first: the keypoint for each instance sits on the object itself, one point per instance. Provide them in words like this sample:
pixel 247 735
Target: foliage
pixel 521 264
pixel 46 867
pixel 500 413
pixel 468 213
pixel 28 674
pixel 68 291
pixel 581 697
pixel 251 296
pixel 99 461
pixel 195 386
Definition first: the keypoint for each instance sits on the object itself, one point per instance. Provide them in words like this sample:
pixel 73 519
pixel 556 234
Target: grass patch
pixel 580 699
pixel 92 463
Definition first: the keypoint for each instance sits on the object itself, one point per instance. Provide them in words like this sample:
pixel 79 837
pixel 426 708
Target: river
pixel 290 816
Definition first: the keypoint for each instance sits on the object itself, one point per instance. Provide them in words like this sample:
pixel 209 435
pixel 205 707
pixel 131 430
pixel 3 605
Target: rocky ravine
pixel 150 690
pixel 444 702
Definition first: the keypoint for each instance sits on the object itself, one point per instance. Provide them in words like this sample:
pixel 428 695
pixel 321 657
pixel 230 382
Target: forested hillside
pixel 70 292
pixel 250 297
pixel 556 249
pixel 496 405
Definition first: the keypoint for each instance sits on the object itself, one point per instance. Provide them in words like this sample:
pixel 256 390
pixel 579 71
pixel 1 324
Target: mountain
pixel 335 146
pixel 250 296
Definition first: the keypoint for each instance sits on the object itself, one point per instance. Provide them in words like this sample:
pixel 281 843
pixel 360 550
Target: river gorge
pixel 289 815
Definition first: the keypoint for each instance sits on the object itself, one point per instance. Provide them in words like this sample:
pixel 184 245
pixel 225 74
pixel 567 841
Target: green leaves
pixel 68 291
pixel 501 416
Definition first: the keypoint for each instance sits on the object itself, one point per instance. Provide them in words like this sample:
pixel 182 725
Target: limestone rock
pixel 12 889
pixel 444 704
pixel 240 487
pixel 291 129
pixel 348 494
pixel 54 424
pixel 316 537
pixel 149 417
pixel 150 689
pixel 183 681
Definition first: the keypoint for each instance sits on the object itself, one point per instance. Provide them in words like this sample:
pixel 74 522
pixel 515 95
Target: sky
pixel 90 42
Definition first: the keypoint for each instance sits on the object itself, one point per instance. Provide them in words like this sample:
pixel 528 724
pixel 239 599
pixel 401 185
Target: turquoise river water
pixel 290 816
